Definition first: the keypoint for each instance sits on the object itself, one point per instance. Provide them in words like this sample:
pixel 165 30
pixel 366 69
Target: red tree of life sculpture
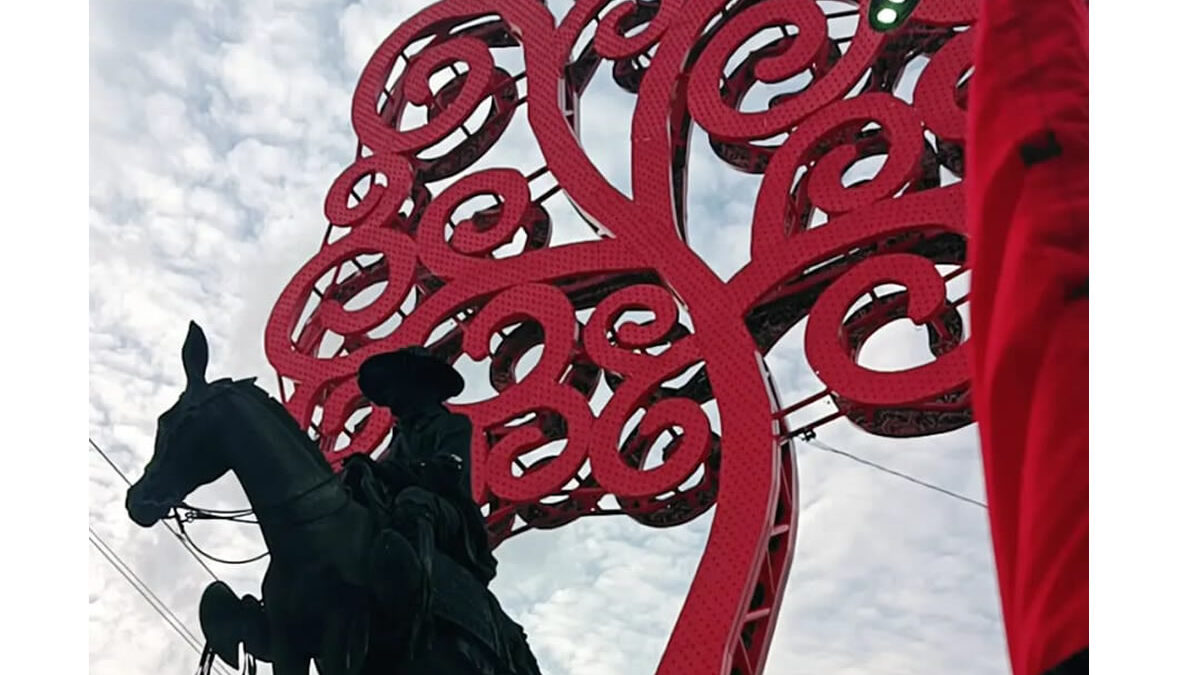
pixel 443 284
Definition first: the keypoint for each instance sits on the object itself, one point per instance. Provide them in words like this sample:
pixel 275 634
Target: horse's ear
pixel 195 355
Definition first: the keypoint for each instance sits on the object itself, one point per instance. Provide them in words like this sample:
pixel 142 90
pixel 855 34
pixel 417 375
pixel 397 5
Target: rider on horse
pixel 422 484
pixel 424 477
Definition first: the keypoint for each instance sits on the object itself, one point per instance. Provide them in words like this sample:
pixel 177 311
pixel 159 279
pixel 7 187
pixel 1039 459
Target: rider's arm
pixel 395 465
pixel 453 436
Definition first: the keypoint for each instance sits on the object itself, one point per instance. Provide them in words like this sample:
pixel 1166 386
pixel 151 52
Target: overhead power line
pixel 110 462
pixel 178 536
pixel 949 493
pixel 148 594
pixel 144 590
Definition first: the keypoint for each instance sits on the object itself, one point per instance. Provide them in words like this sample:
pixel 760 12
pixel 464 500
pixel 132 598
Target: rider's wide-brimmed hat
pixel 415 371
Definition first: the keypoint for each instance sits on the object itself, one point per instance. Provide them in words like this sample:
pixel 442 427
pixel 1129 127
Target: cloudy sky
pixel 216 128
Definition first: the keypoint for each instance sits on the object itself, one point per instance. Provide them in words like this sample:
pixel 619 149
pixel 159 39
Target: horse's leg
pixel 415 514
pixel 423 607
pixel 394 571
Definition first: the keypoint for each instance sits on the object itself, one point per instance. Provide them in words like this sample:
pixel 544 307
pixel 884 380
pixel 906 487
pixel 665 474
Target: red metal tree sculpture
pixel 690 385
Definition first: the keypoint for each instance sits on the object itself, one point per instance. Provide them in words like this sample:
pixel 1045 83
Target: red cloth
pixel 1029 311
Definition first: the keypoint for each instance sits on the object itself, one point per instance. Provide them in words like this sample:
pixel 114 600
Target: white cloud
pixel 216 128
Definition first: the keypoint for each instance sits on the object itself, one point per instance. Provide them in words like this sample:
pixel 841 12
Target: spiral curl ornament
pixel 612 362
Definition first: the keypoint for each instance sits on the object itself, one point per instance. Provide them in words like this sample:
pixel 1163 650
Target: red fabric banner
pixel 1027 185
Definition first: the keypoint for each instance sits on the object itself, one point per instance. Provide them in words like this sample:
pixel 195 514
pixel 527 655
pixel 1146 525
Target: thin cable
pixel 110 462
pixel 147 594
pixel 949 493
pixel 178 537
pixel 140 586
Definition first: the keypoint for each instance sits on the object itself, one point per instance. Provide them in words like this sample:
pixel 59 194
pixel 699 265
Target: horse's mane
pixel 261 399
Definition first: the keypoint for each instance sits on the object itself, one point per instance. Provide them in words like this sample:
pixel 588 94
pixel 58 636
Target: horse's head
pixel 182 458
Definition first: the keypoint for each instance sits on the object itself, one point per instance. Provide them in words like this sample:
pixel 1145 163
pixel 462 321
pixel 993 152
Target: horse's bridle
pixel 192 513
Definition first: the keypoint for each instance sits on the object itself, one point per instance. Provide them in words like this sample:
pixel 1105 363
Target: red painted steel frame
pixel 704 345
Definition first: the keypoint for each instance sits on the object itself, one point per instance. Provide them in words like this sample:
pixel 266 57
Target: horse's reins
pixel 193 513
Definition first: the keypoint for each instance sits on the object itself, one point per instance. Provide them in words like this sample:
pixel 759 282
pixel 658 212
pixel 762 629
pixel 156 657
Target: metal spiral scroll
pixel 673 413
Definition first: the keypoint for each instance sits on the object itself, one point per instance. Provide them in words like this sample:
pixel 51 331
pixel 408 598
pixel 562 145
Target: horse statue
pixel 343 589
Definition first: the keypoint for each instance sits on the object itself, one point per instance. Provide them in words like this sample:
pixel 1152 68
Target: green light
pixel 888 15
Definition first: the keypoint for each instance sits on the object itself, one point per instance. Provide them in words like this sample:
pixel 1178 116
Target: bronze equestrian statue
pixel 426 469
pixel 383 572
